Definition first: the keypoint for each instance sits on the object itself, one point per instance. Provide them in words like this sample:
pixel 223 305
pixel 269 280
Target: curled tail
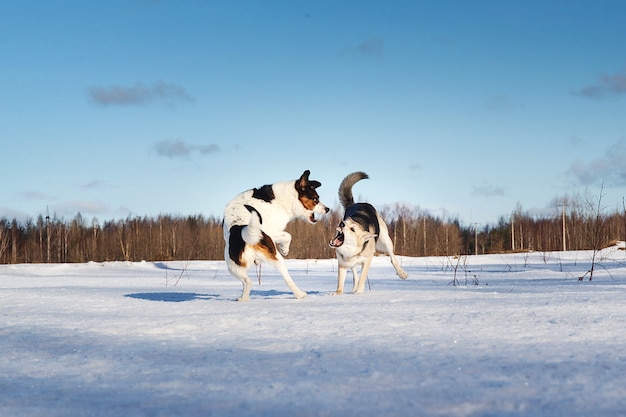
pixel 252 234
pixel 345 188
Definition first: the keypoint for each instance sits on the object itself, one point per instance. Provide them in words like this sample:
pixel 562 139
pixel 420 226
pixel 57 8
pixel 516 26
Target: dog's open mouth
pixel 338 240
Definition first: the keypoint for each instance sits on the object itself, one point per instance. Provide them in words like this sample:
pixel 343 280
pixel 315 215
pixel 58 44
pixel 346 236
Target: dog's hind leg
pixel 385 245
pixel 242 275
pixel 245 294
pixel 247 283
pixel 394 261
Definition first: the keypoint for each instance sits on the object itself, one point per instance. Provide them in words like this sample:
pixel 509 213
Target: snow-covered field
pixel 520 336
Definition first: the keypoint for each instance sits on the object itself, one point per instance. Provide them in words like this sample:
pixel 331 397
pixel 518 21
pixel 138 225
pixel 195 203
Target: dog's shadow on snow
pixel 178 297
pixel 172 297
pixel 276 294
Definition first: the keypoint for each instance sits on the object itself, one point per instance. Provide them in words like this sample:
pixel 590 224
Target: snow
pixel 519 336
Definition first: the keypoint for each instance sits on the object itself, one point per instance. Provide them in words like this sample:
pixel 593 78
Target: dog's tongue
pixel 337 241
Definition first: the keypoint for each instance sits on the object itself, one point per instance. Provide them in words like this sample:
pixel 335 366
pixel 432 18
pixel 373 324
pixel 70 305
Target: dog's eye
pixel 352 228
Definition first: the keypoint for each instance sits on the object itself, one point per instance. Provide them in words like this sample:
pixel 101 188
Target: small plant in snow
pixel 596 232
pixel 454 264
pixel 173 281
pixel 461 261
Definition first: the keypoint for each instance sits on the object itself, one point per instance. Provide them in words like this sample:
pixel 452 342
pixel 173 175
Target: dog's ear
pixel 304 178
pixel 369 236
pixel 304 181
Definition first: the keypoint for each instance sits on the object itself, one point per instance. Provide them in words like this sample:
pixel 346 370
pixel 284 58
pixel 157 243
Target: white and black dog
pixel 360 234
pixel 254 227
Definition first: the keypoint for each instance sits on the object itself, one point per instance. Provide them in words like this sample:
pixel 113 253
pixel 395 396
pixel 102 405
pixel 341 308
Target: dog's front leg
pixel 363 277
pixel 283 241
pixel 355 278
pixel 341 278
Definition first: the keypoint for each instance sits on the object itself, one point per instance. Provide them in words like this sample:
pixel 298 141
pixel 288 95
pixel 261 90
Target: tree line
pixel 415 232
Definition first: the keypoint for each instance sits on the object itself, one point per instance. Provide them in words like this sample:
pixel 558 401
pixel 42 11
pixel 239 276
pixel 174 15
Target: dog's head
pixel 308 197
pixel 350 237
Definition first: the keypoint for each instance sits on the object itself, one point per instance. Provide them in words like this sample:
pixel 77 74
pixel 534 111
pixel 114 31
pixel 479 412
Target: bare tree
pixel 4 238
pixel 596 225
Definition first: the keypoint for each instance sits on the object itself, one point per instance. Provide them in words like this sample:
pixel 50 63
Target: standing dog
pixel 254 227
pixel 361 233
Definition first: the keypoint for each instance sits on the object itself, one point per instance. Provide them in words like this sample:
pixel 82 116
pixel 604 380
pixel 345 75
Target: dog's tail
pixel 345 188
pixel 252 234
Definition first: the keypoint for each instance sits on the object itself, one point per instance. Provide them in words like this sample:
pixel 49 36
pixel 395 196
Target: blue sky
pixel 464 109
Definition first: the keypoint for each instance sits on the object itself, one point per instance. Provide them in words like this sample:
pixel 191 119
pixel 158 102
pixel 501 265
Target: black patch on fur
pixel 252 209
pixel 269 244
pixel 306 188
pixel 365 215
pixel 265 193
pixel 307 192
pixel 236 245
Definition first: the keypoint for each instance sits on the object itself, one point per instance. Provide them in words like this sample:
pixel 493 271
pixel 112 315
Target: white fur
pixel 356 242
pixel 274 216
pixel 358 250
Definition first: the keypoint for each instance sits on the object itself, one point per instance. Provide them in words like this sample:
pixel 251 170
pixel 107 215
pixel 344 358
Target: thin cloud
pixel 69 209
pixel 179 149
pixel 576 141
pixel 489 190
pixel 206 149
pixel 10 213
pixel 500 102
pixel 372 47
pixel 607 85
pixel 172 149
pixel 608 169
pixel 93 184
pixel 139 94
pixel 34 195
pixel 88 207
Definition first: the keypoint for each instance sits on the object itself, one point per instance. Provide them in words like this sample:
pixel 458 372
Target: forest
pixel 579 224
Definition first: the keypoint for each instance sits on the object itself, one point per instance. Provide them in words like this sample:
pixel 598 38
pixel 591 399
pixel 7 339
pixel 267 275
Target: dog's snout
pixel 342 225
pixel 327 209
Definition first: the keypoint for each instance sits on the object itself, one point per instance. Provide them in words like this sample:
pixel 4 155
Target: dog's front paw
pixel 283 241
pixel 402 274
pixel 300 295
pixel 283 248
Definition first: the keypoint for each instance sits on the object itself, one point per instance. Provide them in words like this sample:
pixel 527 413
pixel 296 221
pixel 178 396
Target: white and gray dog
pixel 360 234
